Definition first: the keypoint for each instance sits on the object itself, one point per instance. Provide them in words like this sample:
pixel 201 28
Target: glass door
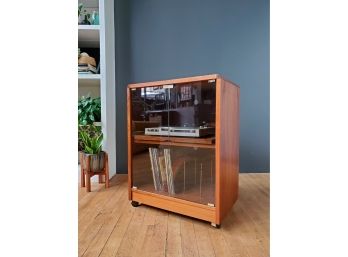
pixel 150 119
pixel 193 165
pixel 174 140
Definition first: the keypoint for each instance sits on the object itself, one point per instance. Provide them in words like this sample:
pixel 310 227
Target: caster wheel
pixel 135 204
pixel 215 225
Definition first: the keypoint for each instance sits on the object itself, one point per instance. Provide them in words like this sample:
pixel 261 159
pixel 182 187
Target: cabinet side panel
pixel 217 151
pixel 229 146
pixel 129 134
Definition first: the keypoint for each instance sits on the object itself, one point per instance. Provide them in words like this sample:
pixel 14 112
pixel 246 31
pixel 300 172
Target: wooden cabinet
pixel 183 145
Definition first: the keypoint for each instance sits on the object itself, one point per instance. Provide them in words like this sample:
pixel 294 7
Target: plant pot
pixel 92 162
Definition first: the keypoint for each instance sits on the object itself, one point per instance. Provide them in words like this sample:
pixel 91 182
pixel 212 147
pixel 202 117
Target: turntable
pixel 180 131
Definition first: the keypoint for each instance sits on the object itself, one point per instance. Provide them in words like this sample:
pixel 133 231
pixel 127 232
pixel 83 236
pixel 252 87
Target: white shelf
pixel 89 84
pixel 90 3
pixel 89 27
pixel 89 36
pixel 89 76
pixel 89 80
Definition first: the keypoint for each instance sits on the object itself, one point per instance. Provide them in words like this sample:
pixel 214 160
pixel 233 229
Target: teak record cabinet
pixel 190 175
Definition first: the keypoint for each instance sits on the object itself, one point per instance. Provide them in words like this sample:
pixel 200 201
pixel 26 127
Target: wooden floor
pixel 110 226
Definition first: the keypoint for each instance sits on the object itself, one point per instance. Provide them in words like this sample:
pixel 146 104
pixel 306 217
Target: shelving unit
pixel 190 175
pixel 89 39
pixel 89 36
pixel 100 39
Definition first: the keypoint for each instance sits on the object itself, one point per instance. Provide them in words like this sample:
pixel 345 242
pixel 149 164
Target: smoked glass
pixel 173 150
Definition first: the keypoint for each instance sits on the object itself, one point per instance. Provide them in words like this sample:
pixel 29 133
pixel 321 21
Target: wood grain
pixel 189 240
pixel 191 209
pixel 96 210
pixel 227 147
pixel 168 143
pixel 174 81
pixel 174 240
pixel 204 244
pixel 204 142
pixel 110 226
pixel 198 140
pixel 130 143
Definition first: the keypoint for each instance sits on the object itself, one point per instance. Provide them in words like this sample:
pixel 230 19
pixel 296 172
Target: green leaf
pixel 89 150
pixel 89 110
pixel 99 140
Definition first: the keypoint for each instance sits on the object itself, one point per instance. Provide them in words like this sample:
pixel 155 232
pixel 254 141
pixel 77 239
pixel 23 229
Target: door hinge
pixel 211 205
pixel 134 188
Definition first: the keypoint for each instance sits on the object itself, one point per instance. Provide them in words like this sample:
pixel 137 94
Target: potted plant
pixel 91 155
pixel 89 113
pixel 83 15
pixel 89 110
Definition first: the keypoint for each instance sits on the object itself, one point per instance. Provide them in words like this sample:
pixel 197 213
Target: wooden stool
pixel 86 174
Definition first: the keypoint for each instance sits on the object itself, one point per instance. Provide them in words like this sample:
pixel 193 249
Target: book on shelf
pixel 87 68
pixel 86 72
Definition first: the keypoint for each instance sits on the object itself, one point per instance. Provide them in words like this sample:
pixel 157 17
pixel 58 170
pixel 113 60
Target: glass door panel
pixel 194 105
pixel 150 119
pixel 182 172
pixel 191 174
pixel 149 109
pixel 163 119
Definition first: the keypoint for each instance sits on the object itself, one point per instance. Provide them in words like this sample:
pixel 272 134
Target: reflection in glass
pixel 190 105
pixel 182 172
pixel 163 119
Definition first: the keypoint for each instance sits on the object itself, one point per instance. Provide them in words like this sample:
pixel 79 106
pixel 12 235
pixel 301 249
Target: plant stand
pixel 86 173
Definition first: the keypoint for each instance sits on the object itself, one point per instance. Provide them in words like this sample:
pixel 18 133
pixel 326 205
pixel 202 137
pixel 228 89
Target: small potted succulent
pixel 92 157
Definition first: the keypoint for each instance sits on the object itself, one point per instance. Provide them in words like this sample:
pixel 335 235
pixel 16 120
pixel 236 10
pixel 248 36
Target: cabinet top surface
pixel 179 80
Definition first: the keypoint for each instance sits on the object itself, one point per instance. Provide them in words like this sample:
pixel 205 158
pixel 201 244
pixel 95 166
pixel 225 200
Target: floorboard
pixel 109 226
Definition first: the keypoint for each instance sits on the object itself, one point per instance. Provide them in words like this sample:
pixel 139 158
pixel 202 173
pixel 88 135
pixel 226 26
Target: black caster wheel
pixel 215 225
pixel 135 204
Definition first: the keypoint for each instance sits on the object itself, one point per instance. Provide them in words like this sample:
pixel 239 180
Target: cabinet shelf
pixel 205 142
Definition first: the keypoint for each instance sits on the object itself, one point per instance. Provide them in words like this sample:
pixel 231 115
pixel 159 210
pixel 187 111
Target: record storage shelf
pixel 205 170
